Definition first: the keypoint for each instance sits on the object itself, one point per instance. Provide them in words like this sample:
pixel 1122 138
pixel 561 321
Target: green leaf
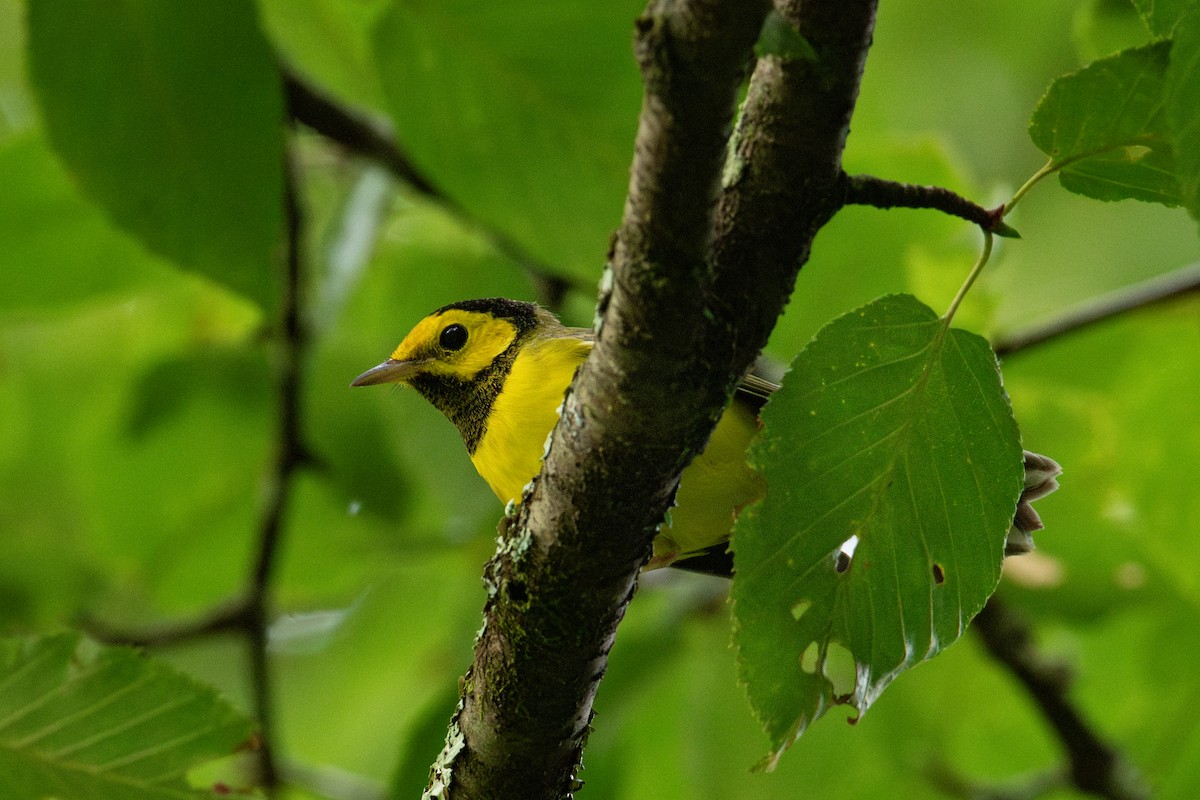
pixel 77 723
pixel 1183 107
pixel 236 376
pixel 780 38
pixel 895 429
pixel 1105 128
pixel 1160 16
pixel 169 117
pixel 330 42
pixel 58 249
pixel 524 112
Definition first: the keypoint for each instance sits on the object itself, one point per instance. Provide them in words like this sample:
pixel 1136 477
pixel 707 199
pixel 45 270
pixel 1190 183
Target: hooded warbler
pixel 498 369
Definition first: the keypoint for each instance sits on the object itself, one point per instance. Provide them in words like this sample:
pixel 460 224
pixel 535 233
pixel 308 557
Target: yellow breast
pixel 712 489
pixel 524 413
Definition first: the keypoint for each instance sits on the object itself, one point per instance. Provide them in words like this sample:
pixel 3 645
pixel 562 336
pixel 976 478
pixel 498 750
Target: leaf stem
pixel 971 276
pixel 1052 166
pixel 1049 168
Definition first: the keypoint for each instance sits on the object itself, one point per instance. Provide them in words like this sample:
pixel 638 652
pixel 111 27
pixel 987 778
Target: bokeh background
pixel 138 409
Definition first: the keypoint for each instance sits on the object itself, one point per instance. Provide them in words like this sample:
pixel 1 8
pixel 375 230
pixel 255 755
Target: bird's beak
pixel 390 371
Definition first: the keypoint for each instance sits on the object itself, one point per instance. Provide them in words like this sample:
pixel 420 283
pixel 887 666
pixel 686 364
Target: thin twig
pixel 290 455
pixel 373 139
pixel 1094 766
pixel 1154 291
pixel 353 130
pixel 231 617
pixel 949 782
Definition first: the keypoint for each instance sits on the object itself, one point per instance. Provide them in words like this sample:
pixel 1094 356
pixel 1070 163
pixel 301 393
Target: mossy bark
pixel 701 267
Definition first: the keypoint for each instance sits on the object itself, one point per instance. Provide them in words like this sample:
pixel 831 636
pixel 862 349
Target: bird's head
pixel 457 342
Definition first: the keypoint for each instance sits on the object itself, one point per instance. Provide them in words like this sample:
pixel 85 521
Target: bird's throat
pixel 467 403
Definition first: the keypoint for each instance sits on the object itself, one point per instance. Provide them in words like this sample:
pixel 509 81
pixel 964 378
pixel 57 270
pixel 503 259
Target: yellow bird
pixel 498 369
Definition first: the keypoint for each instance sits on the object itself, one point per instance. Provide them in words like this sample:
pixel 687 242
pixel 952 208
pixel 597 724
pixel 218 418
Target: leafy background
pixel 138 410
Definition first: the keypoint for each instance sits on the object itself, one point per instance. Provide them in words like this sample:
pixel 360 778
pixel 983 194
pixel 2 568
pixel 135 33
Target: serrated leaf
pixel 77 723
pixel 1183 108
pixel 1160 16
pixel 169 116
pixel 896 430
pixel 1105 128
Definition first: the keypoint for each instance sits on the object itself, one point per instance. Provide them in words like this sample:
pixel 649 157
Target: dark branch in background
pixel 372 139
pixel 352 130
pixel 249 615
pixel 1162 289
pixel 1032 787
pixel 232 617
pixel 1093 765
pixel 290 455
pixel 867 190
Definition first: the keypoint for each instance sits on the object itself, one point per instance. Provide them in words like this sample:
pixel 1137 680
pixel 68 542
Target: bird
pixel 498 369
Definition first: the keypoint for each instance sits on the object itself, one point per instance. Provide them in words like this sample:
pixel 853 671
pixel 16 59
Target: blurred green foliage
pixel 168 118
pixel 137 400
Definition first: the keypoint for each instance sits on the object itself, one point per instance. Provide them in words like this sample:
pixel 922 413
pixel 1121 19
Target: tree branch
pixel 1094 766
pixel 1161 289
pixel 867 190
pixel 784 179
pixel 353 130
pixel 697 276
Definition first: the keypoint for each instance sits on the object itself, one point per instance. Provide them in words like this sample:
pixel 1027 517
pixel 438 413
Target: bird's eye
pixel 453 337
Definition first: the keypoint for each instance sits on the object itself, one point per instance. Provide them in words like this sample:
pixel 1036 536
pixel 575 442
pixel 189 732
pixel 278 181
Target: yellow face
pixel 456 343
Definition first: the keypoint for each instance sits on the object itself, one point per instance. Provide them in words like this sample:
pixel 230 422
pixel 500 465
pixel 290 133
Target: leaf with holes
pixel 893 428
pixel 78 722
pixel 1105 128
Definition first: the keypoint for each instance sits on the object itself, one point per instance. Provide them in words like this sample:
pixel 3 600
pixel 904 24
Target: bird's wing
pixel 755 390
